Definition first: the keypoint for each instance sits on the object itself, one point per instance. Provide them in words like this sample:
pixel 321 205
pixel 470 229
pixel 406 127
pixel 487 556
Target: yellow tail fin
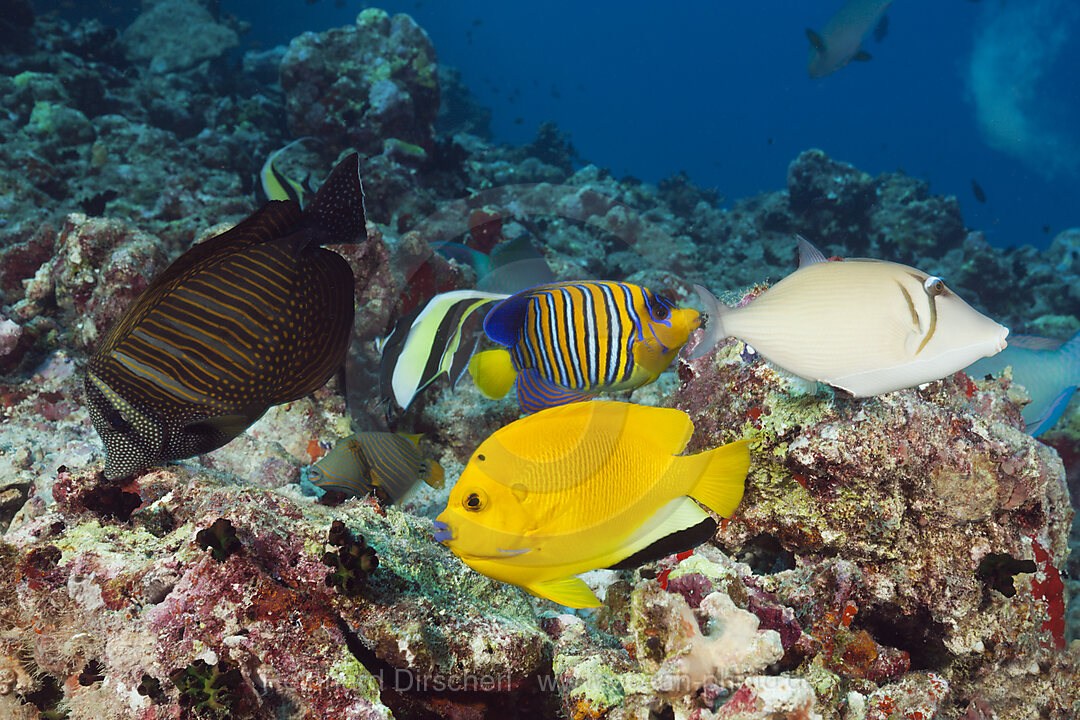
pixel 723 477
pixel 493 372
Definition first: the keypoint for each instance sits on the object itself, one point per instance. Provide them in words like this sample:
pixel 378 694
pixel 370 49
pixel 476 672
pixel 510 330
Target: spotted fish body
pixel 388 464
pixel 568 341
pixel 254 317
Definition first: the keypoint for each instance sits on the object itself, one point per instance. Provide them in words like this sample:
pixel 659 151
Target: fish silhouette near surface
pixel 589 485
pixel 256 316
pixel 865 326
pixel 840 41
pixel 568 341
pixel 1048 369
pixel 387 464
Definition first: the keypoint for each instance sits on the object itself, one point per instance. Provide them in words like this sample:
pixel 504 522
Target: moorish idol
pixel 256 316
pixel 434 340
pixel 276 185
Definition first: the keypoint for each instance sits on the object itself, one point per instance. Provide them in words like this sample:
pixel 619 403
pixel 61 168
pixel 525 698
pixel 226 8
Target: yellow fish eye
pixel 474 501
pixel 934 286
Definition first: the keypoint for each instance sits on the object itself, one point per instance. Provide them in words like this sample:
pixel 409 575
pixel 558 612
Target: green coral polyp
pixel 209 690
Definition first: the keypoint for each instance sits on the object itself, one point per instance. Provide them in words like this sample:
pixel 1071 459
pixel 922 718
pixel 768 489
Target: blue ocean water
pixel 956 91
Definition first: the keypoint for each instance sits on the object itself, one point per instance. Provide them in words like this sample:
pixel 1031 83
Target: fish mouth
pixel 442 533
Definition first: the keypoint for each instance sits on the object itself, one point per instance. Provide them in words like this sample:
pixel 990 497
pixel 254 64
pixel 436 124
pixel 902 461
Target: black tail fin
pixel 336 214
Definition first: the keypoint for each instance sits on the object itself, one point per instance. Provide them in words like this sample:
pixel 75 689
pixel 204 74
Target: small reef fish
pixel 276 185
pixel 388 464
pixel 591 485
pixel 865 326
pixel 1048 369
pixel 977 191
pixel 569 341
pixel 840 40
pixel 434 340
pixel 256 316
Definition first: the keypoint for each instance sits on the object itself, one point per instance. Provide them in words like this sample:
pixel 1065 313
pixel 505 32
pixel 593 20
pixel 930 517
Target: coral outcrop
pixel 895 557
pixel 358 86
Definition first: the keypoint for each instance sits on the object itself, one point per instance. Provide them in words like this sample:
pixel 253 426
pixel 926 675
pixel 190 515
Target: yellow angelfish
pixel 588 485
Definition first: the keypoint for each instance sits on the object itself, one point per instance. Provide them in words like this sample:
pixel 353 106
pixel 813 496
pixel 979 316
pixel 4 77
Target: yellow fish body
pixel 585 486
pixel 568 341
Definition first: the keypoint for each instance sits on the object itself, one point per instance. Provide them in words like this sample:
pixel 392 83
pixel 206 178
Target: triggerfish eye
pixel 934 286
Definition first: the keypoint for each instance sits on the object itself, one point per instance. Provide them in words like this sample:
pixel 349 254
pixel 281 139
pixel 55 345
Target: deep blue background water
pixel 720 90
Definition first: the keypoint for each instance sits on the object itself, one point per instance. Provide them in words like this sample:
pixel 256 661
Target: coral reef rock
pixel 359 85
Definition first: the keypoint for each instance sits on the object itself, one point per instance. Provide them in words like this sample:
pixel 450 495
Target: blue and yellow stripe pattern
pixel 568 341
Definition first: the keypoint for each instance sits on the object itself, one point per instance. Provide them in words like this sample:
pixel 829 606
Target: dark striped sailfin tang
pixel 365 462
pixel 257 316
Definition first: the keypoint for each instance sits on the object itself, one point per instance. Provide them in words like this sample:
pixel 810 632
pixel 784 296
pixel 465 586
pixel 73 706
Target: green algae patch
pixel 352 674
pixel 705 567
pixel 601 690
pixel 112 543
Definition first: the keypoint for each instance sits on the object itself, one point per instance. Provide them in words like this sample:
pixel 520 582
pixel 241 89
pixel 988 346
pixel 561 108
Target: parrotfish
pixel 436 339
pixel 1048 369
pixel 841 39
pixel 256 316
pixel 590 485
pixel 569 341
pixel 865 326
pixel 388 464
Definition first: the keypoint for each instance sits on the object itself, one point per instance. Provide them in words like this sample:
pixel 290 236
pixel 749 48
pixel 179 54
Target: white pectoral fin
pixel 569 591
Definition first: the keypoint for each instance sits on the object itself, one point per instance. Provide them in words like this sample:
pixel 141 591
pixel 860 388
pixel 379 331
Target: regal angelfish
pixel 569 341
pixel 254 317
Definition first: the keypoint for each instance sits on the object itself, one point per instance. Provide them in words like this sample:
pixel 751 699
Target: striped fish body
pixel 571 340
pixel 435 340
pixel 388 464
pixel 257 316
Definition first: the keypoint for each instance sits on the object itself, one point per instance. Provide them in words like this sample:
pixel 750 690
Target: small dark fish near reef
pixel 256 316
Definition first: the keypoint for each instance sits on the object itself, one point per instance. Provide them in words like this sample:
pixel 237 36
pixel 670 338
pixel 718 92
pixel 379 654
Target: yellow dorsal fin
pixel 414 438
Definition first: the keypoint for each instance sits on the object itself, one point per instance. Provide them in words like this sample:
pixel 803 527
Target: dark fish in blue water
pixel 256 316
pixel 977 191
pixel 881 29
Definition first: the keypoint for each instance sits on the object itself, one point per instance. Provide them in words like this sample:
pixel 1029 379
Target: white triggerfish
pixel 841 39
pixel 1048 369
pixel 865 326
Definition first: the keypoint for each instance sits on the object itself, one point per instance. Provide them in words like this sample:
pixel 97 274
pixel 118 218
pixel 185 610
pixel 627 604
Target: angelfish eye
pixel 934 286
pixel 474 501
pixel 662 308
